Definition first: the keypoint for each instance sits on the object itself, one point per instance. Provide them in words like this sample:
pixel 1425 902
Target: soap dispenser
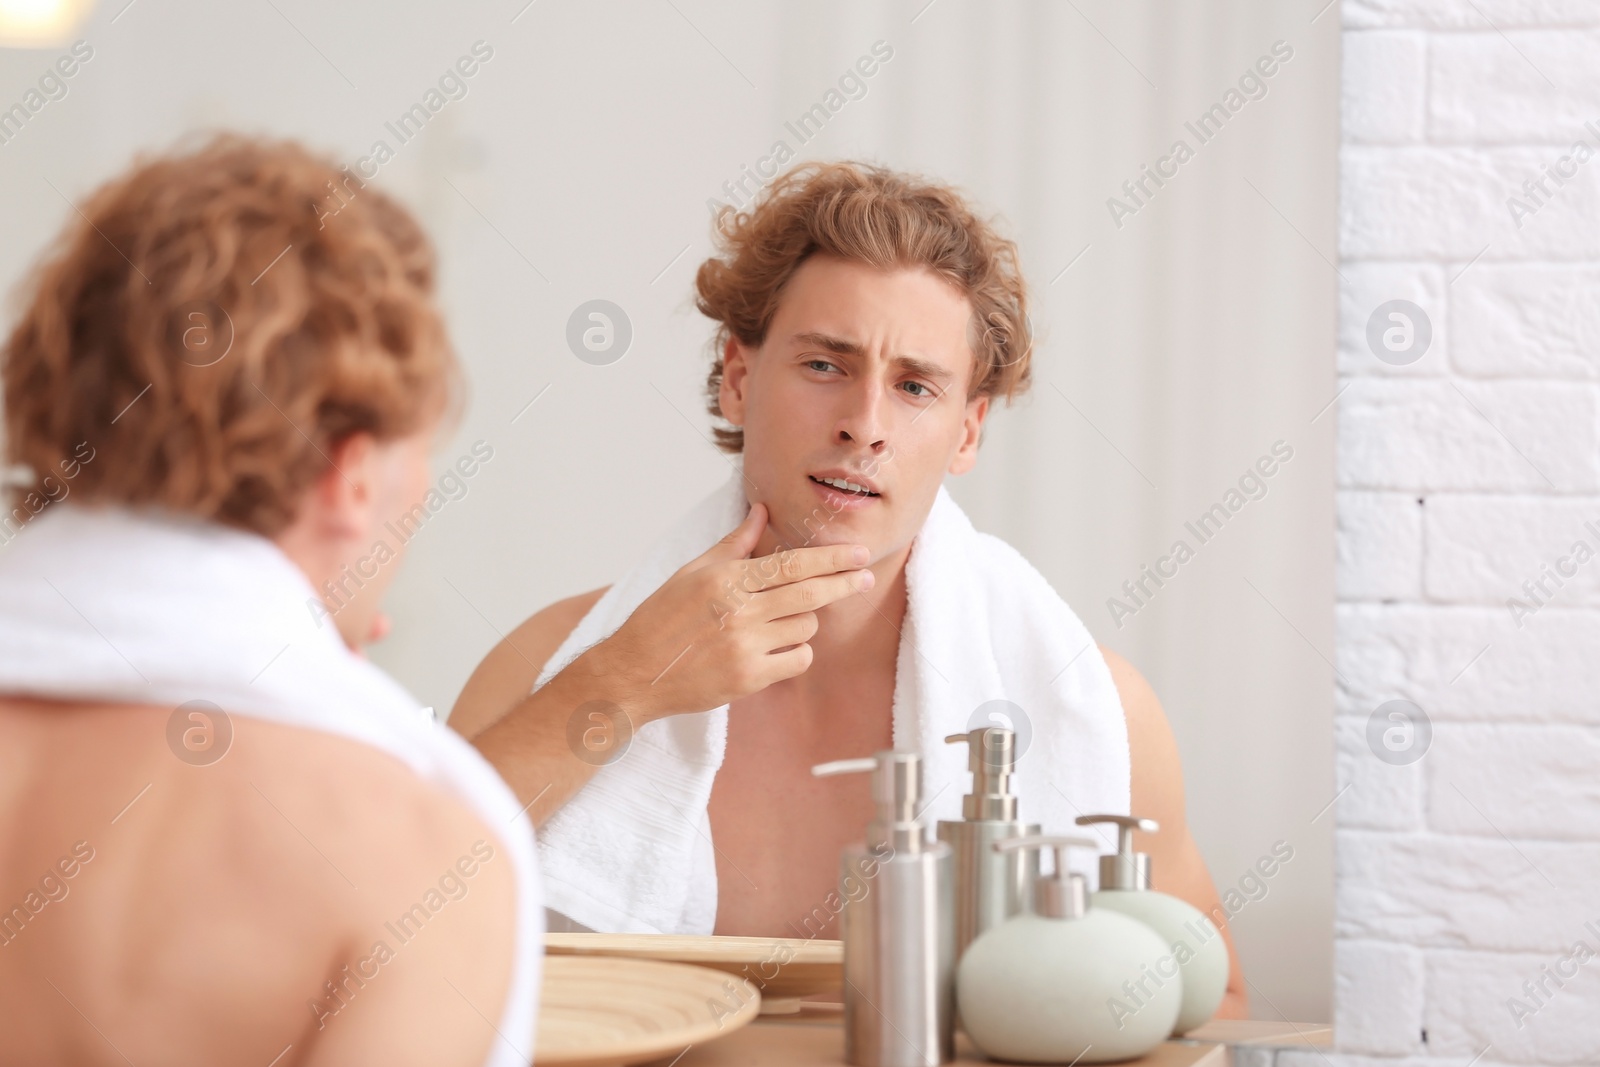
pixel 990 886
pixel 1193 940
pixel 896 925
pixel 1067 983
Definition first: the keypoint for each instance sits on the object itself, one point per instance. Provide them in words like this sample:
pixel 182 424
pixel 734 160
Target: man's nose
pixel 862 423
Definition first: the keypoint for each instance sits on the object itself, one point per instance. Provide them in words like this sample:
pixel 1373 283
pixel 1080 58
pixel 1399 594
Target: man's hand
pixel 722 627
pixel 725 625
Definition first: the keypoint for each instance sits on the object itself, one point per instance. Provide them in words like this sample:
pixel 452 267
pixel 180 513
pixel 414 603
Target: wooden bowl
pixel 782 968
pixel 607 1012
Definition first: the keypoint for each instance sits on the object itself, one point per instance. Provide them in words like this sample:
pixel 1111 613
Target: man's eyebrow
pixel 831 343
pixel 924 368
pixel 844 347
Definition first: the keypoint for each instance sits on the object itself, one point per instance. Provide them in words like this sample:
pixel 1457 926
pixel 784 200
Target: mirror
pixel 1168 175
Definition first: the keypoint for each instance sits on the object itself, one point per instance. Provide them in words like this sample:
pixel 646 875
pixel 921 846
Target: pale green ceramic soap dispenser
pixel 1195 948
pixel 1051 986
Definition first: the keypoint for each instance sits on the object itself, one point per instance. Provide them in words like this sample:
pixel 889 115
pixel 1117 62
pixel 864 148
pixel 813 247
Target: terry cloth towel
pixel 140 607
pixel 632 851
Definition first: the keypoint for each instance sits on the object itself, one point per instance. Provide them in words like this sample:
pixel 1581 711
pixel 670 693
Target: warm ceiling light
pixel 40 23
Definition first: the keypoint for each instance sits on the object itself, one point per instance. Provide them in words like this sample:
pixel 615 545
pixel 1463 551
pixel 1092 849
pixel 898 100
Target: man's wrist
pixel 595 676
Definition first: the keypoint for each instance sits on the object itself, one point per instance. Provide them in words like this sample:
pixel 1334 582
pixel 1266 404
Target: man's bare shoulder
pixel 429 894
pixel 1138 698
pixel 509 671
pixel 369 801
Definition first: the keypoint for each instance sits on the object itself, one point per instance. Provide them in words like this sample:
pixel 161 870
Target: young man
pixel 867 321
pixel 224 836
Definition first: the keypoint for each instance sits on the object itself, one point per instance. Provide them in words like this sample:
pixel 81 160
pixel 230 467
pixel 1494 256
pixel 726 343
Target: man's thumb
pixel 741 540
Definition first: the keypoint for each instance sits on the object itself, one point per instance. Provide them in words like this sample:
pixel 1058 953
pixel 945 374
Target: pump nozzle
pixel 896 789
pixel 1062 893
pixel 1126 869
pixel 992 759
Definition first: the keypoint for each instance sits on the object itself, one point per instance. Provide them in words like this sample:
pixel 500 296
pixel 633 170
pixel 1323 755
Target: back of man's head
pixel 211 323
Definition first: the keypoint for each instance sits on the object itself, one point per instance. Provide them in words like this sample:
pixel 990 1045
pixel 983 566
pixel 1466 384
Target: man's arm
pixel 507 674
pixel 1157 793
pixel 530 748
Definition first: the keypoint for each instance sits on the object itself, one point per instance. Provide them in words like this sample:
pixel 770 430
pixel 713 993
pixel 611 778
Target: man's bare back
pixel 160 912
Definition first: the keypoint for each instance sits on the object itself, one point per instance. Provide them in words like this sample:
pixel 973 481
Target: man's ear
pixel 346 493
pixel 735 372
pixel 971 433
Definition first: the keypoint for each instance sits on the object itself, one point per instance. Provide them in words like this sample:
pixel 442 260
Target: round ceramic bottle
pixel 1194 944
pixel 1067 982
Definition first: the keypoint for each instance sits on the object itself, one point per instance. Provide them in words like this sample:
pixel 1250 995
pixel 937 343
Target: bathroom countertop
pixel 1258 1032
pixel 814 1039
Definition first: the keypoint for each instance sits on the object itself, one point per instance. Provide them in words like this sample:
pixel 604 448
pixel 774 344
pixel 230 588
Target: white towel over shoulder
pixel 131 607
pixel 631 852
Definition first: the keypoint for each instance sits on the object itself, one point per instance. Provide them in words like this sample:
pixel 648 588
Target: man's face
pixel 366 499
pixel 399 482
pixel 862 379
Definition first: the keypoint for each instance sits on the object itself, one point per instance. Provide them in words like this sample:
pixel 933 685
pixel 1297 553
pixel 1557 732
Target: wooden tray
pixel 782 968
pixel 598 1012
pixel 815 1040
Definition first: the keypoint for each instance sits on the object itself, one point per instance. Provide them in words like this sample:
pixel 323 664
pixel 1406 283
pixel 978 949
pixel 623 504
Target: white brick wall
pixel 1462 476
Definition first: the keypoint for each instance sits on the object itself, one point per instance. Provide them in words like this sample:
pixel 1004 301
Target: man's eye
pixel 925 391
pixel 820 364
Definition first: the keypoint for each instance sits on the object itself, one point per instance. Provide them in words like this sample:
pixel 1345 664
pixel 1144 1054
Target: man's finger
pixel 808 595
pixel 790 631
pixel 738 543
pixel 797 564
pixel 784 665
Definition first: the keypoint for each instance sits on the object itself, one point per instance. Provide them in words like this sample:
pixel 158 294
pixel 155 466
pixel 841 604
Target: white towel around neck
pixel 632 852
pixel 139 607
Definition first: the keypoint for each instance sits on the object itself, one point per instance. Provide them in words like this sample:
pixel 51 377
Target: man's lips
pixel 841 500
pixel 845 482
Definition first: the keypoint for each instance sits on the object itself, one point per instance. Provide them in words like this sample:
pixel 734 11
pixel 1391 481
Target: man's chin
pixel 844 529
pixel 808 529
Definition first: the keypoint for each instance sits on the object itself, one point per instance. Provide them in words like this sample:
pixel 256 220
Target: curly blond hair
pixel 869 215
pixel 212 323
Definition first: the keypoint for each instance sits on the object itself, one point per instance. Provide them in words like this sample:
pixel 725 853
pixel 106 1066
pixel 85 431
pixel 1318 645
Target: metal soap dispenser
pixel 990 886
pixel 896 926
pixel 1195 945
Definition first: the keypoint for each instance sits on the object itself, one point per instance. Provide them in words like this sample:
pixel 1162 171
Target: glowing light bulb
pixel 40 23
